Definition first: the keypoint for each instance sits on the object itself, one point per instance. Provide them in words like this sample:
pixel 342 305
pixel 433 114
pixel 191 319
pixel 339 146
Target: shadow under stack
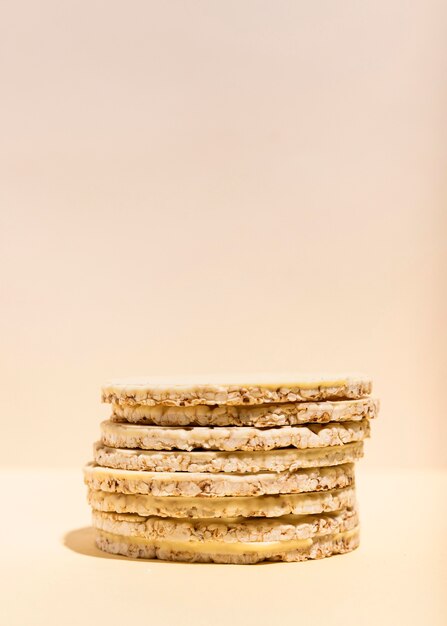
pixel 230 472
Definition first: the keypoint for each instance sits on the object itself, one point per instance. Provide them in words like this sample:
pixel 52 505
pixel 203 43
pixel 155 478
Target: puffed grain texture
pixel 285 528
pixel 286 414
pixel 218 507
pixel 320 547
pixel 213 461
pixel 260 391
pixel 221 484
pixel 119 435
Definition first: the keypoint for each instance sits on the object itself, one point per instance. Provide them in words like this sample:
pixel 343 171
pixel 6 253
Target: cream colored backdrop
pixel 228 186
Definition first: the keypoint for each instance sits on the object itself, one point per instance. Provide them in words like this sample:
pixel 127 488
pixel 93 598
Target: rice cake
pixel 248 438
pixel 261 389
pixel 286 459
pixel 217 507
pixel 285 414
pixel 316 547
pixel 228 530
pixel 221 484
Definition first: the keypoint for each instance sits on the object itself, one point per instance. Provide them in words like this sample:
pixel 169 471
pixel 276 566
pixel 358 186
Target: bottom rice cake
pixel 228 540
pixel 205 484
pixel 197 507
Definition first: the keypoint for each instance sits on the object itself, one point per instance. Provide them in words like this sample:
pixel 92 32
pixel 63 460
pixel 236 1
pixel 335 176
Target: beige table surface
pixel 52 574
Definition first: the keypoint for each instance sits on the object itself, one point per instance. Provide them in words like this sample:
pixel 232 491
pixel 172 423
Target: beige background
pixel 207 186
pixel 217 187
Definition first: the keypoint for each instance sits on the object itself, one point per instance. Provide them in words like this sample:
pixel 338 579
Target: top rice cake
pixel 260 389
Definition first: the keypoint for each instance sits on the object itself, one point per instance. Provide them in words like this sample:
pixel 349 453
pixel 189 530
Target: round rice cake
pixel 227 530
pixel 220 484
pixel 286 459
pixel 218 507
pixel 248 438
pixel 285 414
pixel 316 547
pixel 262 389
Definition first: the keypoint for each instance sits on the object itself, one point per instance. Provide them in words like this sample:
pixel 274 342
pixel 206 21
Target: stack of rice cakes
pixel 230 472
